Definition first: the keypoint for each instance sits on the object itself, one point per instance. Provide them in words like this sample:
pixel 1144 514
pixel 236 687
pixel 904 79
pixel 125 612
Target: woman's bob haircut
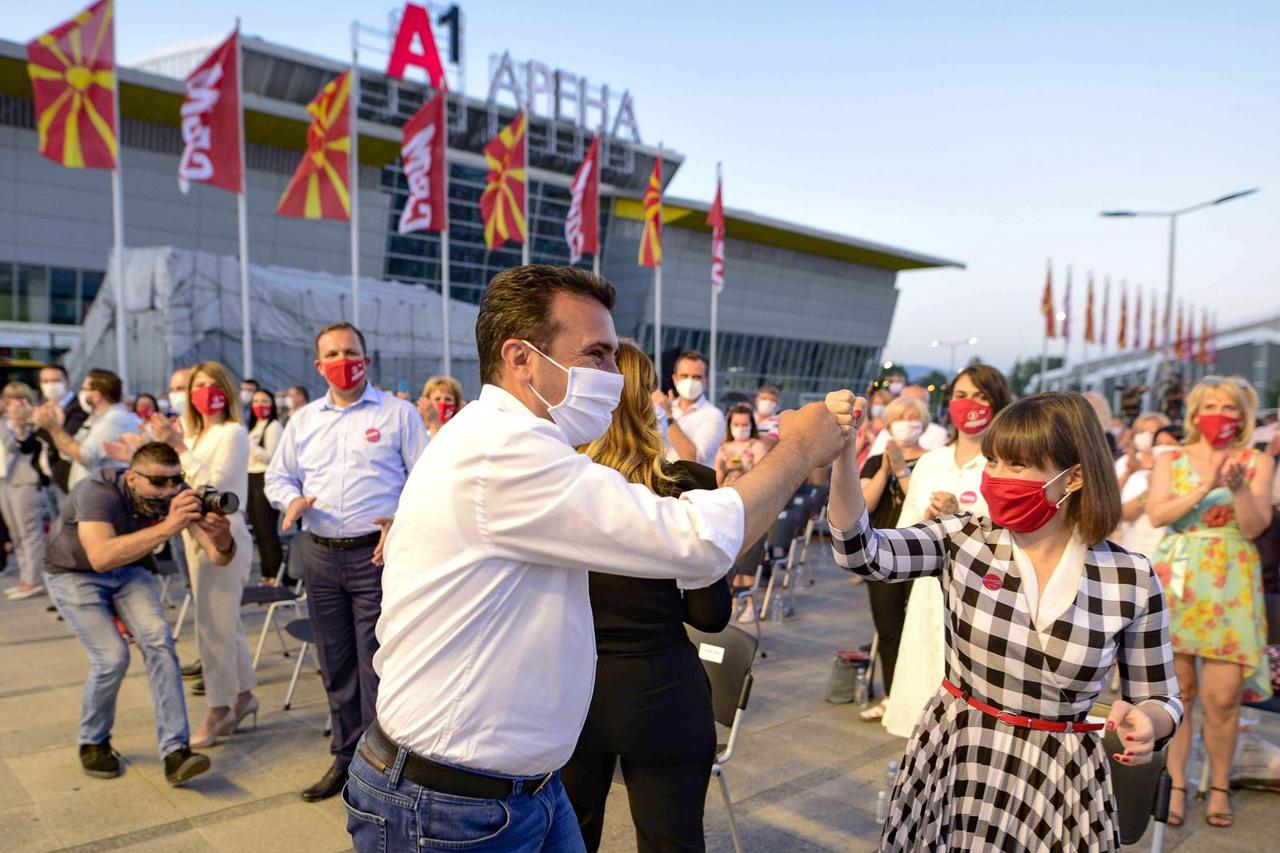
pixel 1058 431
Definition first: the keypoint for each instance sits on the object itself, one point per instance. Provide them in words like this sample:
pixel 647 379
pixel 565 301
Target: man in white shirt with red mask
pixel 487 650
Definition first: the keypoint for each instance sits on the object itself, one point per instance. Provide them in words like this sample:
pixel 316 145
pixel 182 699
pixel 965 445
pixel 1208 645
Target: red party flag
pixel 73 83
pixel 319 188
pixel 502 202
pixel 582 225
pixel 715 218
pixel 422 156
pixel 211 122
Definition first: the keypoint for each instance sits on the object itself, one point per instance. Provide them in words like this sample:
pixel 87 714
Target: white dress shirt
pixel 933 437
pixel 937 471
pixel 703 424
pixel 1059 593
pixel 264 438
pixel 97 430
pixel 487 648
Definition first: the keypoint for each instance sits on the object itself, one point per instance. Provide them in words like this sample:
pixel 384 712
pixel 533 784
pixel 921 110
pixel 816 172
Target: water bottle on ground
pixel 882 807
pixel 860 686
pixel 890 775
pixel 775 614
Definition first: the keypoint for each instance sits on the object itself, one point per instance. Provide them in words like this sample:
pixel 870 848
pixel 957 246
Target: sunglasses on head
pixel 1237 381
pixel 160 481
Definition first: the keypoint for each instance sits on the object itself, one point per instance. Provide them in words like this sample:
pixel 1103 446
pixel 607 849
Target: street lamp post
pixel 1172 216
pixel 953 346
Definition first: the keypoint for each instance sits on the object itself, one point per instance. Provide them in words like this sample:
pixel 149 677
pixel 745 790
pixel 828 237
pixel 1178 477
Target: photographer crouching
pixel 100 565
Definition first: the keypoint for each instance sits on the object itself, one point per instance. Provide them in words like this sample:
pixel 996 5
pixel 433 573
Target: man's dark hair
pixel 306 395
pixel 155 453
pixel 340 327
pixel 57 367
pixel 107 384
pixel 254 382
pixel 517 304
pixel 693 355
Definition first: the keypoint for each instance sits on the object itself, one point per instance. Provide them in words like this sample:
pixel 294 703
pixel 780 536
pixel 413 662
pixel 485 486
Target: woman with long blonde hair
pixel 213 444
pixel 651 706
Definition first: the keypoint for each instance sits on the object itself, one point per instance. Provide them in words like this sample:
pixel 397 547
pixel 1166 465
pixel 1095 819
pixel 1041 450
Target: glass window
pixel 33 293
pixel 64 301
pixel 6 290
pixel 90 284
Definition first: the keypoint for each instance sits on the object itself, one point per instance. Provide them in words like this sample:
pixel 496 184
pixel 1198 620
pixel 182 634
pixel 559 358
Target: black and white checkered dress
pixel 969 781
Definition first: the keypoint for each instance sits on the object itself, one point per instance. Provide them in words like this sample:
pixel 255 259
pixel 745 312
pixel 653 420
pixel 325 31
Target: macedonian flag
pixel 502 202
pixel 73 79
pixel 319 188
pixel 651 236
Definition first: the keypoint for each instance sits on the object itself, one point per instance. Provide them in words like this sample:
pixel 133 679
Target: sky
pixel 987 133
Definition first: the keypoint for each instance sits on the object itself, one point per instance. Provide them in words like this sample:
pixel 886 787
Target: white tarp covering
pixel 183 307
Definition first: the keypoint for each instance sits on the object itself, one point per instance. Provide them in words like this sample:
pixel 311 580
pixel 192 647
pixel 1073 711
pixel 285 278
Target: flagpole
pixel 595 257
pixel 242 225
pixel 353 104
pixel 117 228
pixel 528 183
pixel 715 308
pixel 1044 327
pixel 657 287
pixel 446 366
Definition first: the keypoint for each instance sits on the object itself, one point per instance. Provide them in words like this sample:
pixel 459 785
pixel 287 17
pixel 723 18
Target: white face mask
pixel 83 398
pixel 906 433
pixel 53 391
pixel 1143 441
pixel 246 397
pixel 766 407
pixel 895 388
pixel 590 396
pixel 178 402
pixel 740 433
pixel 877 410
pixel 689 388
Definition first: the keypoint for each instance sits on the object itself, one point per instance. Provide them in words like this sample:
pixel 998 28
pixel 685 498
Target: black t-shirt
pixel 102 497
pixel 887 511
pixel 641 615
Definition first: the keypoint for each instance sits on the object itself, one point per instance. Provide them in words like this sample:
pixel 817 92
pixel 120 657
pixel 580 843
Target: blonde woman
pixel 441 399
pixel 651 706
pixel 1215 496
pixel 213 445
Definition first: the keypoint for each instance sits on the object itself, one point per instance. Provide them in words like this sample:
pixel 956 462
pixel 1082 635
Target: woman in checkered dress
pixel 1038 606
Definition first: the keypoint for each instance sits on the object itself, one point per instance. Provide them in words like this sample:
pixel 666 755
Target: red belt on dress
pixel 1019 720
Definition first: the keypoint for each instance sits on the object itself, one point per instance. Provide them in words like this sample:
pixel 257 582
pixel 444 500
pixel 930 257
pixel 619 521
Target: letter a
pixel 416 22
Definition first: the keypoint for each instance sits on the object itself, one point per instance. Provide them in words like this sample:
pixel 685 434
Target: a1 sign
pixel 415 44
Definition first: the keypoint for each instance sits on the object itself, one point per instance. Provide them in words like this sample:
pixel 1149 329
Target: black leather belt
pixel 381 751
pixel 346 544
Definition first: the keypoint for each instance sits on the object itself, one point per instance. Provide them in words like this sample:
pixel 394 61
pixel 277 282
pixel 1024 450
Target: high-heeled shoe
pixel 237 716
pixel 211 738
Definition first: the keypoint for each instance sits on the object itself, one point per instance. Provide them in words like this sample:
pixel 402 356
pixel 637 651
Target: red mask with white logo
pixel 208 400
pixel 1218 429
pixel 1020 505
pixel 969 416
pixel 261 411
pixel 144 410
pixel 345 373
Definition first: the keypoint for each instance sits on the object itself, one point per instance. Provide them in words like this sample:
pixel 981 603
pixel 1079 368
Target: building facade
pixel 807 309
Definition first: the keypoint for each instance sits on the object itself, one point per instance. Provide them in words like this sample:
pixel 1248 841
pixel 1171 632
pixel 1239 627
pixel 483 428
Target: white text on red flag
pixel 715 218
pixel 582 225
pixel 422 154
pixel 211 123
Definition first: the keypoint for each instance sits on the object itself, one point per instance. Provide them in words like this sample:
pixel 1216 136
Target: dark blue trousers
pixel 344 600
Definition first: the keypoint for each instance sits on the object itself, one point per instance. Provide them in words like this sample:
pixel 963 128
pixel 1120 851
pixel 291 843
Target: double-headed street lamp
pixel 953 346
pixel 1172 216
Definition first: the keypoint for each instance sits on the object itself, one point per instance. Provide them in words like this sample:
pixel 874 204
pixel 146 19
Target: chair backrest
pixel 727 657
pixel 293 560
pixel 1139 789
pixel 790 524
pixel 749 560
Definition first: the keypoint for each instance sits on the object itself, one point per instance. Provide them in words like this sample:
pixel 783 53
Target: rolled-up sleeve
pixel 1146 658
pixel 543 503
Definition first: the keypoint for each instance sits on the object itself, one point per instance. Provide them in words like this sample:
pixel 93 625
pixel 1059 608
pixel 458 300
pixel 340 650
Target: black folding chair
pixel 784 549
pixel 727 657
pixel 275 597
pixel 750 563
pixel 1142 792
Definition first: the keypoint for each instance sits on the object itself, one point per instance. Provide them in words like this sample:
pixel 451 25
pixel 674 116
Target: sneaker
pixel 183 764
pixel 193 670
pixel 20 594
pixel 748 614
pixel 99 760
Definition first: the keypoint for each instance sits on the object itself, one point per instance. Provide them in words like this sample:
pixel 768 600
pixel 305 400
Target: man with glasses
pixel 100 567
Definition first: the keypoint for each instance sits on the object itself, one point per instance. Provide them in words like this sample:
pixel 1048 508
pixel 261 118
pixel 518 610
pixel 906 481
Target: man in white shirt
pixel 696 429
pixel 100 396
pixel 487 650
pixel 935 435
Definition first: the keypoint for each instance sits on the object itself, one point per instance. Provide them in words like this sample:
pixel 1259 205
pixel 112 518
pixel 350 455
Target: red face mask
pixel 345 373
pixel 144 410
pixel 446 410
pixel 208 400
pixel 969 416
pixel 1219 430
pixel 261 411
pixel 1019 505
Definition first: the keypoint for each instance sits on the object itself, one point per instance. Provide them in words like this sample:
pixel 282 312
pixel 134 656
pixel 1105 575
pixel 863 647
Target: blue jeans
pixel 387 813
pixel 87 601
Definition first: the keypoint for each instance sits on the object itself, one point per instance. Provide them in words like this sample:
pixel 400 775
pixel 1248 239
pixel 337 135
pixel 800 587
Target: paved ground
pixel 804 779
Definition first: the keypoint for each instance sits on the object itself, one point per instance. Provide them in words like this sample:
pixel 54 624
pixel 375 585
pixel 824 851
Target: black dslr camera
pixel 218 503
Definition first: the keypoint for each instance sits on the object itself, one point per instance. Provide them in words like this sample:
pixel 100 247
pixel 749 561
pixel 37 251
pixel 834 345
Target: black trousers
pixel 888 612
pixel 344 599
pixel 266 527
pixel 652 711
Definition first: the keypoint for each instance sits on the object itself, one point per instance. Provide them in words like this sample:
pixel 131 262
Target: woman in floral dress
pixel 1038 606
pixel 1215 496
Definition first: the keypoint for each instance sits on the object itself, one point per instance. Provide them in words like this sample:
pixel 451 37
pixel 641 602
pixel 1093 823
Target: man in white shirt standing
pixel 696 428
pixel 339 468
pixel 487 651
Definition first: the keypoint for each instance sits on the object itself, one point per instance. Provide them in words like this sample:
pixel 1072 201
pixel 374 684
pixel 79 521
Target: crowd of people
pixel 465 563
